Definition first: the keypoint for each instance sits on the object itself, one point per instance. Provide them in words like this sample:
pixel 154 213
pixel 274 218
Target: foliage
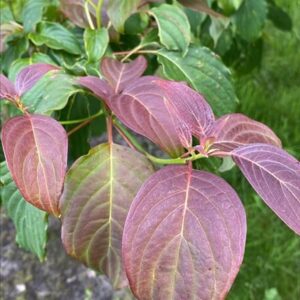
pixel 180 232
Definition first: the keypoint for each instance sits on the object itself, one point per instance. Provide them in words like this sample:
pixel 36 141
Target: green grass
pixel 271 267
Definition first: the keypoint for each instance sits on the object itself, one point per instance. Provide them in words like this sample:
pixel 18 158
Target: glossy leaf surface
pixel 7 89
pixel 28 76
pixel 235 130
pixel 55 36
pixel 95 42
pixel 35 148
pixel 205 73
pixel 275 176
pixel 100 187
pixel 184 236
pixel 30 222
pixel 142 108
pixel 119 74
pixel 174 27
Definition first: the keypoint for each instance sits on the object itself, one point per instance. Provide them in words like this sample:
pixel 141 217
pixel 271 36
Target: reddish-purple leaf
pixel 35 149
pixel 275 176
pixel 98 86
pixel 30 75
pixel 141 107
pixel 7 89
pixel 99 189
pixel 119 74
pixel 191 107
pixel 235 130
pixel 184 236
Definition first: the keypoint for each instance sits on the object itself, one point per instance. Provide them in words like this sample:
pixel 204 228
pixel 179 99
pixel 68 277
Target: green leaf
pixel 32 13
pixel 55 36
pixel 205 73
pixel 250 19
pixel 136 23
pixel 196 18
pixel 5 13
pixel 50 93
pixel 173 27
pixel 95 42
pixel 31 223
pixel 119 10
pixel 229 6
pixel 279 17
pixel 217 27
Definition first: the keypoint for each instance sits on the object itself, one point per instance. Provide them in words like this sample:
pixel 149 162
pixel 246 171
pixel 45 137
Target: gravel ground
pixel 59 277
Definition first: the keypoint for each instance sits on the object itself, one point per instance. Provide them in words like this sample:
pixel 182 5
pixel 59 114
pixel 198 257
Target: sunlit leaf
pixel 235 130
pixel 119 74
pixel 100 187
pixel 30 222
pixel 184 236
pixel 173 27
pixel 202 70
pixel 35 149
pixel 275 175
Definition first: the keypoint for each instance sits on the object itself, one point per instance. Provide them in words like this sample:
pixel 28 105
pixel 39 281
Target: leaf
pixel 95 42
pixel 275 176
pixel 192 109
pixel 50 93
pixel 119 10
pixel 119 75
pixel 21 63
pixel 55 36
pixel 229 6
pixel 31 223
pixel 74 10
pixel 28 77
pixel 100 187
pixel 235 130
pixel 35 149
pixel 142 108
pixel 32 13
pixel 173 27
pixel 201 69
pixel 7 89
pixel 250 19
pixel 98 86
pixel 279 17
pixel 184 236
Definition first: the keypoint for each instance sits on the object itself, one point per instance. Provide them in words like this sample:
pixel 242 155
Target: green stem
pixel 88 16
pixel 98 13
pixel 69 122
pixel 157 160
pixel 134 50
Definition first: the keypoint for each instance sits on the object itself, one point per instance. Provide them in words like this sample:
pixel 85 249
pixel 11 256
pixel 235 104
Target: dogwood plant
pixel 175 233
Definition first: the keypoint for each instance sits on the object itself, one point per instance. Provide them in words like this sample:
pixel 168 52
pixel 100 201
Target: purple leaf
pixel 35 149
pixel 98 86
pixel 235 130
pixel 120 75
pixel 191 107
pixel 141 107
pixel 99 189
pixel 275 176
pixel 184 236
pixel 7 89
pixel 27 78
